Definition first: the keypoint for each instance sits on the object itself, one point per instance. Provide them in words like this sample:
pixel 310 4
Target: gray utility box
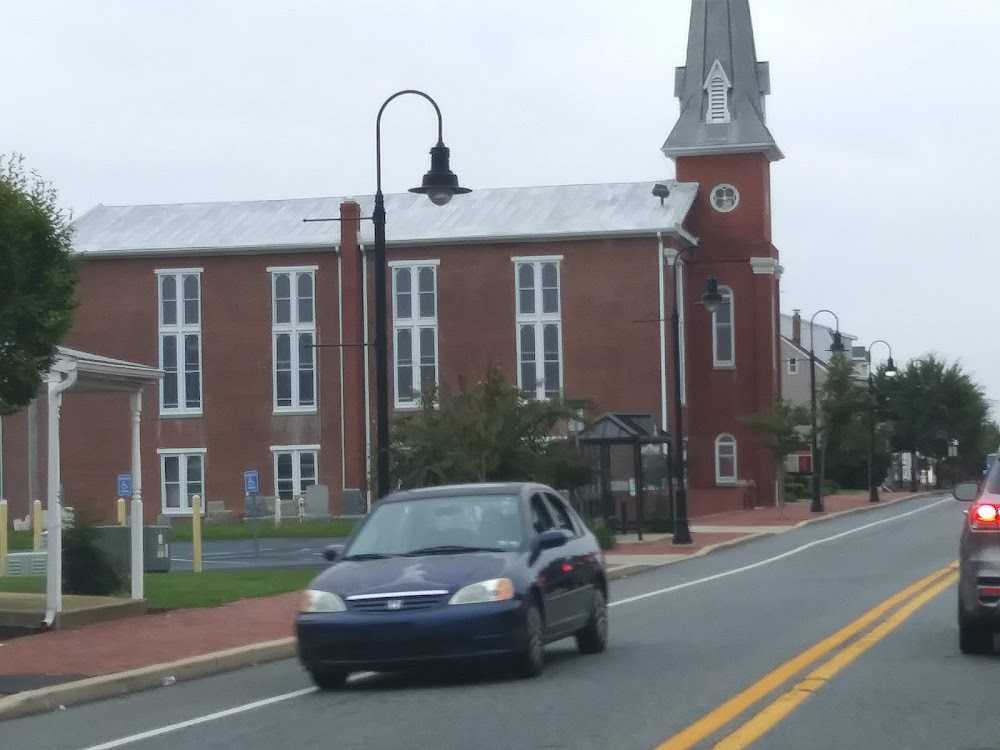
pixel 117 544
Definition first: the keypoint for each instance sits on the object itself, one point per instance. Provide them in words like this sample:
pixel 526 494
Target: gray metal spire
pixel 722 87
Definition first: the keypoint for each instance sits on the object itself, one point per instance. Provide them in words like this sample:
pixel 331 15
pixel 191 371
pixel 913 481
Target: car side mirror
pixel 551 539
pixel 331 552
pixel 966 491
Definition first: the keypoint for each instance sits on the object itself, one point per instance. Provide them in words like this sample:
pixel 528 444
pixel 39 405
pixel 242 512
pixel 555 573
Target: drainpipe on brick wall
pixel 368 417
pixel 663 332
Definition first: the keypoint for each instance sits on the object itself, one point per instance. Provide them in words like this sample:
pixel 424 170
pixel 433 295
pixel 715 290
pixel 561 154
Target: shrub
pixel 795 491
pixel 87 569
pixel 605 536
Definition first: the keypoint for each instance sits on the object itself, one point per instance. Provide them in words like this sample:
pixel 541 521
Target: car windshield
pixel 441 525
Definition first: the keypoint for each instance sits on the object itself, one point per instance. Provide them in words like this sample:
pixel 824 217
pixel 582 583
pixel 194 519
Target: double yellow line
pixel 911 598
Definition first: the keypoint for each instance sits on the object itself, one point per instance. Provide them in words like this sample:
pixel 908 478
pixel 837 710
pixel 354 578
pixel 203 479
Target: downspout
pixel 663 331
pixel 340 322
pixel 368 418
pixel 53 554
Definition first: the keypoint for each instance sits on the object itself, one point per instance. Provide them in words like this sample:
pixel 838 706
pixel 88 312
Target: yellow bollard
pixel 121 511
pixel 36 526
pixel 3 537
pixel 196 532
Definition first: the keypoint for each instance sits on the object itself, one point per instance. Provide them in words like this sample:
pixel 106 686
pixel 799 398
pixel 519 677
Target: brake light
pixel 984 516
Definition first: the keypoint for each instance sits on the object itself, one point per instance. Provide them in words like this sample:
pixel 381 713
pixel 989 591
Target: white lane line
pixel 200 720
pixel 776 558
pixel 365 675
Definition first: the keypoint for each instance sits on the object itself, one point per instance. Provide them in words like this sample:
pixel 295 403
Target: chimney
pixel 797 327
pixel 352 353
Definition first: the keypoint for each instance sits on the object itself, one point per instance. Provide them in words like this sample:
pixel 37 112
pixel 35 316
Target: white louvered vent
pixel 718 87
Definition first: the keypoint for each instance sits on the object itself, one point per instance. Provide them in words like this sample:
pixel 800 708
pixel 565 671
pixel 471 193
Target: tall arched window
pixel 724 332
pixel 725 459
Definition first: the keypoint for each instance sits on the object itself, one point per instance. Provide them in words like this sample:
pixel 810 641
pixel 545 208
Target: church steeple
pixel 722 87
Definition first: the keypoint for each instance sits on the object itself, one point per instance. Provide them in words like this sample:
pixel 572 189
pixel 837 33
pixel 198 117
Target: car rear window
pixel 993 479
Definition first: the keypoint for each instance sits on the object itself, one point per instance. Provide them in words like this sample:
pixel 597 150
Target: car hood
pixel 447 572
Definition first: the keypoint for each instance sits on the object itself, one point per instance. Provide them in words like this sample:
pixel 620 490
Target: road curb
pixel 90 689
pixel 628 570
pixel 865 508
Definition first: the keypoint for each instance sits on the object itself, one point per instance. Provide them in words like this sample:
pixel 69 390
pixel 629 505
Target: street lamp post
pixel 890 370
pixel 439 184
pixel 953 454
pixel 837 347
pixel 711 300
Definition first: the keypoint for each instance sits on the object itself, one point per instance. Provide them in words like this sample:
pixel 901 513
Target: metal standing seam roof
pixel 499 214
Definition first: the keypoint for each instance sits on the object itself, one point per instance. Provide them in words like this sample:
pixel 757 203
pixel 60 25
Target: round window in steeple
pixel 725 198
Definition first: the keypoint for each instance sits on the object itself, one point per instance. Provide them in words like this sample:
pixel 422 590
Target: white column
pixel 137 567
pixel 53 556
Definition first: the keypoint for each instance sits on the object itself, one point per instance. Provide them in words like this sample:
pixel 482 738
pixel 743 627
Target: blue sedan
pixel 452 573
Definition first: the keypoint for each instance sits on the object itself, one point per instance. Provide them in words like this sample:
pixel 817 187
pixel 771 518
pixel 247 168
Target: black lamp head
pixel 837 347
pixel 440 183
pixel 712 299
pixel 890 368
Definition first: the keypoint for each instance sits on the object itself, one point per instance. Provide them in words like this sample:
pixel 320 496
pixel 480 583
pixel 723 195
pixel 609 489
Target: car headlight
pixel 321 601
pixel 494 590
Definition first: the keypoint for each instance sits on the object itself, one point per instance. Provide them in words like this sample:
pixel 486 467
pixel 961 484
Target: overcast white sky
pixel 886 111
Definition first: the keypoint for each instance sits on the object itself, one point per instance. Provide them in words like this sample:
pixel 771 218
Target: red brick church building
pixel 228 299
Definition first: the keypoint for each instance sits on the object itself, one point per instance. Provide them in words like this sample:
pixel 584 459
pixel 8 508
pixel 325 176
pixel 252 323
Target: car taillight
pixel 984 516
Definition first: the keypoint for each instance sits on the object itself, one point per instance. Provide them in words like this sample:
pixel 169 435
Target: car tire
pixel 328 679
pixel 531 661
pixel 973 638
pixel 592 638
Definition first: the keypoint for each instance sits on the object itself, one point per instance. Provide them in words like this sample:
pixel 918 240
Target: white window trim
pixel 715 83
pixel 180 330
pixel 793 365
pixel 296 451
pixel 539 319
pixel 182 452
pixel 722 364
pixel 293 329
pixel 414 324
pixel 719 479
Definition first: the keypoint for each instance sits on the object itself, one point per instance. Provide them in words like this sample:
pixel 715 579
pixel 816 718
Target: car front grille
pixel 399 603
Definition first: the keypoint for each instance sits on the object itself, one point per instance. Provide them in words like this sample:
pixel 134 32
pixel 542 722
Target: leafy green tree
pixel 38 278
pixel 485 431
pixel 842 408
pixel 931 402
pixel 781 431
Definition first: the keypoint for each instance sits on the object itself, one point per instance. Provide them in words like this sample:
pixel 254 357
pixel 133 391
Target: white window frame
pixel 717 84
pixel 414 324
pixel 539 320
pixel 180 330
pixel 724 364
pixel 728 439
pixel 293 329
pixel 182 454
pixel 793 365
pixel 296 452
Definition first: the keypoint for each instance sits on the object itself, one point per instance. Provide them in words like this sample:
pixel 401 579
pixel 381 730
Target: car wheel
pixel 592 638
pixel 973 638
pixel 531 661
pixel 328 679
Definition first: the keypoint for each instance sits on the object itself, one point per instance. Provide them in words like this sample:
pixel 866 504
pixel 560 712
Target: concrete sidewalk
pixel 60 668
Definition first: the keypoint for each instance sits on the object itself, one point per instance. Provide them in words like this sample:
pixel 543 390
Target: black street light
pixel 711 300
pixel 890 370
pixel 439 185
pixel 837 347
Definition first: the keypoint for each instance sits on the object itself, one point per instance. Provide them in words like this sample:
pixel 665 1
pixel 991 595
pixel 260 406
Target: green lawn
pixel 189 590
pixel 19 540
pixel 289 529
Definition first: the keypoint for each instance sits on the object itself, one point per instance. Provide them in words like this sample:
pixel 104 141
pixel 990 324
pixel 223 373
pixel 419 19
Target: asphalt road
pixel 685 639
pixel 244 554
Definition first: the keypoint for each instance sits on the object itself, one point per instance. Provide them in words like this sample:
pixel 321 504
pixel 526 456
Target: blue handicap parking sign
pixel 124 485
pixel 251 482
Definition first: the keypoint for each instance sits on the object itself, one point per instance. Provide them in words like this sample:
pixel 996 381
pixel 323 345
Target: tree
pixel 931 402
pixel 485 432
pixel 781 431
pixel 38 278
pixel 843 406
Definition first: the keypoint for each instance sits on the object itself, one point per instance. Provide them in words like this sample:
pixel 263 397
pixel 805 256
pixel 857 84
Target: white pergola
pixel 80 372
